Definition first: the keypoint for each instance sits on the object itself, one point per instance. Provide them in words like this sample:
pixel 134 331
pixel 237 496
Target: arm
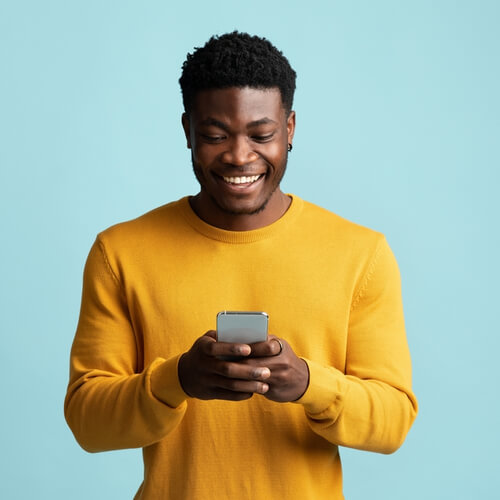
pixel 110 402
pixel 371 405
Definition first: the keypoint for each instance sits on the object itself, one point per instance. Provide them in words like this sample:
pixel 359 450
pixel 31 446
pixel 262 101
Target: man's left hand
pixel 289 374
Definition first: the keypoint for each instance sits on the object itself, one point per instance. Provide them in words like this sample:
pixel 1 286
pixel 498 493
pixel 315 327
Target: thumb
pixel 212 334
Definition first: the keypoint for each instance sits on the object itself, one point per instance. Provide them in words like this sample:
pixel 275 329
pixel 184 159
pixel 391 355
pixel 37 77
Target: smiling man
pixel 146 369
pixel 239 138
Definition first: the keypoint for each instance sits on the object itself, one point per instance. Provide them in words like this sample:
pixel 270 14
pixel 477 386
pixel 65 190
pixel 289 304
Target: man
pixel 146 369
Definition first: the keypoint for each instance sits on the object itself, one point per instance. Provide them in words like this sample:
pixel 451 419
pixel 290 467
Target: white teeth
pixel 241 180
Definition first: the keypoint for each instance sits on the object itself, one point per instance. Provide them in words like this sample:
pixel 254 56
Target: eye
pixel 263 138
pixel 213 139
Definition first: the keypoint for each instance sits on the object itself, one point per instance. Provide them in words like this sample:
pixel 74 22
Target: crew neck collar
pixel 226 236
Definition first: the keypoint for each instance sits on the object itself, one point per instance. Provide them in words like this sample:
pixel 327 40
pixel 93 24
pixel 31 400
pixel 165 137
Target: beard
pixel 228 210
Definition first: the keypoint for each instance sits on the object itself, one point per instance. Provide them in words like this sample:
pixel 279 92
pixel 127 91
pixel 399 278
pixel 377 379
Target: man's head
pixel 238 92
pixel 237 60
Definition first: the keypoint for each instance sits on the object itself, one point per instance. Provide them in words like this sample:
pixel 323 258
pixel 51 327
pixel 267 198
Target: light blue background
pixel 398 129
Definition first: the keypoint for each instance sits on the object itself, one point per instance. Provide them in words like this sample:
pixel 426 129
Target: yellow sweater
pixel 153 285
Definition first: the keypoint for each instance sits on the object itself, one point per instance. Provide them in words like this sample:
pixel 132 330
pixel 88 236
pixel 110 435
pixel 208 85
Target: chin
pixel 238 209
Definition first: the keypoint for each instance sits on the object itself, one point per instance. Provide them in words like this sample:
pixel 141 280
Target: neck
pixel 207 210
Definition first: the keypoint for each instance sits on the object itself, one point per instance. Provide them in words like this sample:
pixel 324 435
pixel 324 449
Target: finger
pixel 271 347
pixel 212 334
pixel 237 385
pixel 242 371
pixel 214 348
pixel 204 343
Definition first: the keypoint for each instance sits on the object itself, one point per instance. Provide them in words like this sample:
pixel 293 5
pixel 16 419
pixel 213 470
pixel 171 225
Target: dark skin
pixel 239 132
pixel 239 139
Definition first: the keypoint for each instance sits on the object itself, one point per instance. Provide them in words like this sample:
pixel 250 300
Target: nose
pixel 239 152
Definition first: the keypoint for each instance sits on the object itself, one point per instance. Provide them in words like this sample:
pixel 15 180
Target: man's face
pixel 239 139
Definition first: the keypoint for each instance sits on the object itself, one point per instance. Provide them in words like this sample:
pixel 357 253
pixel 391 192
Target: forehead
pixel 236 104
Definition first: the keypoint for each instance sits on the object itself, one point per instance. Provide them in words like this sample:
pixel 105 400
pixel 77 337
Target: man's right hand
pixel 204 376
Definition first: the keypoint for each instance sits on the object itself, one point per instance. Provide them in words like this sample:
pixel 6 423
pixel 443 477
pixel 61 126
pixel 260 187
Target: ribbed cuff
pixel 326 388
pixel 165 384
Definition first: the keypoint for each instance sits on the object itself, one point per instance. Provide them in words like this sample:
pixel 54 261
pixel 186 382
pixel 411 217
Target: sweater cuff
pixel 165 384
pixel 326 389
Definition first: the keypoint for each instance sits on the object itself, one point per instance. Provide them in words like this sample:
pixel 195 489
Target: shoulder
pixel 363 252
pixel 146 231
pixel 327 226
pixel 357 253
pixel 159 219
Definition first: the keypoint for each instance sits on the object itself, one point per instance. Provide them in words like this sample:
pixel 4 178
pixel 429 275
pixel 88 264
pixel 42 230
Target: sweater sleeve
pixel 370 406
pixel 110 403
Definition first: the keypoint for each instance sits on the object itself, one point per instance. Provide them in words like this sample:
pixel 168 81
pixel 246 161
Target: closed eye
pixel 213 138
pixel 263 138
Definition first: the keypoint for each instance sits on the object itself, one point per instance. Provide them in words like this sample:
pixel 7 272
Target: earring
pixel 290 147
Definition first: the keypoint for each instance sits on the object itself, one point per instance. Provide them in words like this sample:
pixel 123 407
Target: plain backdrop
pixel 397 129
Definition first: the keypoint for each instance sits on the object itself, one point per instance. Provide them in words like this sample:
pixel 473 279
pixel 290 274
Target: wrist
pixel 182 373
pixel 304 379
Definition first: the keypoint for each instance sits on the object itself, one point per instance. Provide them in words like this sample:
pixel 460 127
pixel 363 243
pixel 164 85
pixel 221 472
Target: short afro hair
pixel 237 60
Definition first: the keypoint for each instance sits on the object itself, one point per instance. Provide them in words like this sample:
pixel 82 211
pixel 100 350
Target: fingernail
pixel 263 373
pixel 264 388
pixel 243 350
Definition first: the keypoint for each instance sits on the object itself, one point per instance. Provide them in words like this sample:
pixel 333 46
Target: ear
pixel 187 128
pixel 290 126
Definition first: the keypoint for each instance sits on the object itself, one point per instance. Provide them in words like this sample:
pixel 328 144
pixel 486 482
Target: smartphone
pixel 243 327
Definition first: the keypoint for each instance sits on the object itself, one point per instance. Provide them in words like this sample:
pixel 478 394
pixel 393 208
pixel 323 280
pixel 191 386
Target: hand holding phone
pixel 270 368
pixel 202 376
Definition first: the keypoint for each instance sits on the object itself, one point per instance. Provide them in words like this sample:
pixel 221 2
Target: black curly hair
pixel 237 60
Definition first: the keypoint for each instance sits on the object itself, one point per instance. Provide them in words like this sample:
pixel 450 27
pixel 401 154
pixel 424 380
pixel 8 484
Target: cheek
pixel 205 154
pixel 275 155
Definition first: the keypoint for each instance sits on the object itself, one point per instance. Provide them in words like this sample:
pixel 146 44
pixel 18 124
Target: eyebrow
pixel 217 123
pixel 262 121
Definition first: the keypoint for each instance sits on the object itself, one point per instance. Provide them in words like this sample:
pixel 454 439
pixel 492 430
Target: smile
pixel 243 179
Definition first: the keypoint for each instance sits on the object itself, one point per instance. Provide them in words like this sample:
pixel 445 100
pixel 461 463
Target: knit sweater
pixel 153 285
